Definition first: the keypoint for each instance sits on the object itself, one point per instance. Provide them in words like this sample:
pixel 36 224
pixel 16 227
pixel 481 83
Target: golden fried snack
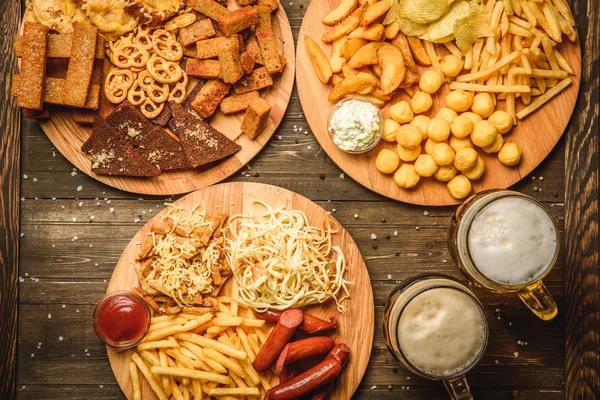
pixel 153 12
pixel 229 58
pixel 266 39
pixel 110 17
pixel 58 15
pixel 256 118
pixel 81 64
pixel 33 67
pixel 209 97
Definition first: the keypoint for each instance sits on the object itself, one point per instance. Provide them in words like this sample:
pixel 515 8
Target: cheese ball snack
pixel 477 171
pixel 409 136
pixel 443 154
pixel 444 174
pixel 501 120
pixel 406 177
pixel 401 112
pixel 387 161
pixel 451 65
pixel 438 129
pixel 484 133
pixel 510 154
pixel 425 165
pixel 408 155
pixel 465 159
pixel 459 187
pixel 429 145
pixel 431 81
pixel 459 100
pixel 483 105
pixel 462 126
pixel 421 102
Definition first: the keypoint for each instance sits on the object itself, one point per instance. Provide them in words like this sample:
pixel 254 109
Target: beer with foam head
pixel 507 242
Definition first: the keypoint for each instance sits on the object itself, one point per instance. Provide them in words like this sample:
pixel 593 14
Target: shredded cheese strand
pixel 280 261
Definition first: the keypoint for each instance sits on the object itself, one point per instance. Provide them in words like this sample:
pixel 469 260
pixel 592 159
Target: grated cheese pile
pixel 280 261
pixel 181 266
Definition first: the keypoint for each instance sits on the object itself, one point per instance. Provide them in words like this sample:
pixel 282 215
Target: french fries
pixel 352 84
pixel 195 363
pixel 319 60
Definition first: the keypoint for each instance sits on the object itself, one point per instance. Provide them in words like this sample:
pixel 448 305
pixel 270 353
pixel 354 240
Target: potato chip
pixel 443 29
pixel 423 11
pixel 393 13
pixel 410 28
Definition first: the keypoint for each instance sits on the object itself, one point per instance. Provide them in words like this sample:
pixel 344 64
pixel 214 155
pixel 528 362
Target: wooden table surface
pixel 73 229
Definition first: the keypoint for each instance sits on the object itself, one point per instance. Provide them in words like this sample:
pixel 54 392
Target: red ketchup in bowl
pixel 121 319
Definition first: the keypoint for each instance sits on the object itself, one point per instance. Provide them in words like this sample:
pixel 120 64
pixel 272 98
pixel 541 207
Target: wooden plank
pixel 10 12
pixel 582 323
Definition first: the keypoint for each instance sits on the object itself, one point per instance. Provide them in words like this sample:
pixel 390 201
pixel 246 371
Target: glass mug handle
pixel 458 388
pixel 539 300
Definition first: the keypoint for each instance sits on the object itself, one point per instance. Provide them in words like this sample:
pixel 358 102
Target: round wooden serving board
pixel 68 136
pixel 536 135
pixel 355 327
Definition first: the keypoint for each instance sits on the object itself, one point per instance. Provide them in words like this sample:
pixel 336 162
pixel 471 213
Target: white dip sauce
pixel 355 125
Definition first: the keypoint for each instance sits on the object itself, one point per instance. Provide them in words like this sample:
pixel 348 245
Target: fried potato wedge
pixel 346 26
pixel 418 51
pixel 340 12
pixel 351 85
pixel 376 100
pixel 351 46
pixel 336 59
pixel 410 78
pixel 373 32
pixel 391 62
pixel 401 42
pixel 391 31
pixel 373 12
pixel 318 59
pixel 366 55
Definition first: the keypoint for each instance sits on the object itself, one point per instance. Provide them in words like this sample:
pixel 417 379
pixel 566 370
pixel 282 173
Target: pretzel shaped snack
pixel 179 91
pixel 151 109
pixel 130 55
pixel 157 92
pixel 117 84
pixel 125 39
pixel 136 94
pixel 165 45
pixel 164 71
pixel 142 37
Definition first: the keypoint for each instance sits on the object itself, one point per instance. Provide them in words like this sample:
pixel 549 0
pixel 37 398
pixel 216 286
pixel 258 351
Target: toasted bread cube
pixel 208 48
pixel 243 3
pixel 209 97
pixel 247 62
pixel 253 48
pixel 238 102
pixel 210 69
pixel 272 4
pixel 256 118
pixel 229 57
pixel 267 42
pixel 199 30
pixel 238 20
pixel 257 80
pixel 33 67
pixel 210 8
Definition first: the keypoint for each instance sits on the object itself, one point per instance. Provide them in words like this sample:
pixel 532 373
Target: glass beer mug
pixel 436 328
pixel 506 241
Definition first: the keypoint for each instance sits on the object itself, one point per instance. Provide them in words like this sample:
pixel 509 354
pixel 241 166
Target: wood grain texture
pixel 58 270
pixel 355 327
pixel 582 286
pixel 10 13
pixel 537 135
pixel 68 136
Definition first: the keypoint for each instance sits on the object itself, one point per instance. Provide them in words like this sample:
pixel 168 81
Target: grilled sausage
pixel 278 339
pixel 310 324
pixel 302 349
